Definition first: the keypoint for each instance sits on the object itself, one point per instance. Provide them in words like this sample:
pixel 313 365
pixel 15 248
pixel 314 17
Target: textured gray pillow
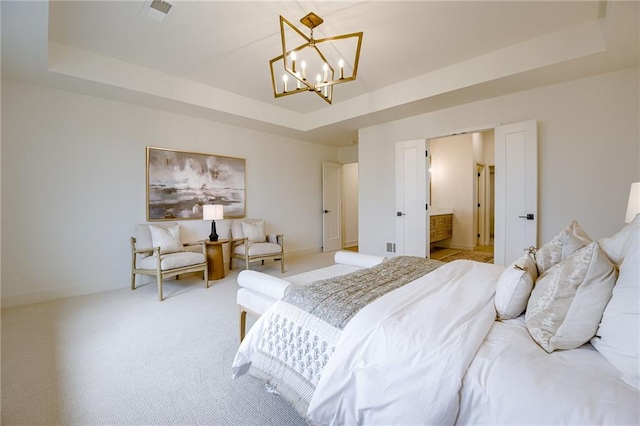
pixel 562 245
pixel 567 302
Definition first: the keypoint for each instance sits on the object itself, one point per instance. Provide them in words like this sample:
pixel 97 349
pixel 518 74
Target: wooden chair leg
pixel 160 287
pixel 243 323
pixel 205 274
pixel 282 264
pixel 246 262
pixel 133 281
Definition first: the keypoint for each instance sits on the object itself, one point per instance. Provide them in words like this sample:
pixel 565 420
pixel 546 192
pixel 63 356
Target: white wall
pixel 350 204
pixel 589 150
pixel 348 154
pixel 73 187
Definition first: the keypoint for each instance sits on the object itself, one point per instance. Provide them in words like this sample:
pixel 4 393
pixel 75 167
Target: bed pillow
pixel 618 337
pixel 168 239
pixel 514 287
pixel 567 302
pixel 614 246
pixel 254 231
pixel 562 245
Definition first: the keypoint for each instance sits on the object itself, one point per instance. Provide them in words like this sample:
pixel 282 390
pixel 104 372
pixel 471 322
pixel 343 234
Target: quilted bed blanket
pixel 389 344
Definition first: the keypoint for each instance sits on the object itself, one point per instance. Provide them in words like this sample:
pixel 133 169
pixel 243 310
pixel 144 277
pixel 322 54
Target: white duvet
pixel 401 359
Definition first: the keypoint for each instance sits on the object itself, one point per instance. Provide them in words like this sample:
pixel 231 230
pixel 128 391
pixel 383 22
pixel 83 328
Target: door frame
pixel 498 227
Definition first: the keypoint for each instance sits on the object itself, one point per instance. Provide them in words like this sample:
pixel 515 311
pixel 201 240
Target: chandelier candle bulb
pixel 318 80
pixel 298 79
pixel 285 78
pixel 341 65
pixel 325 68
pixel 303 65
pixel 293 61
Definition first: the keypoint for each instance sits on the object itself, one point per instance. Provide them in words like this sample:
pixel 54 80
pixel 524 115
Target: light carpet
pixel 123 358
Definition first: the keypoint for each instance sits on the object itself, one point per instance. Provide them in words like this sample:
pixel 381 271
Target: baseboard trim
pixel 47 295
pixel 50 294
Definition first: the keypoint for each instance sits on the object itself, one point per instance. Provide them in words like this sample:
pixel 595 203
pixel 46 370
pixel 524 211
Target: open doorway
pixel 462 194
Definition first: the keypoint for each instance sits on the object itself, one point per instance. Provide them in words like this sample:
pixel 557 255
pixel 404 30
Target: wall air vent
pixel 161 6
pixel 158 10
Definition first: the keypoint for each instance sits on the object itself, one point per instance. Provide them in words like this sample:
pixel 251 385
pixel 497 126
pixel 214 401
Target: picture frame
pixel 179 183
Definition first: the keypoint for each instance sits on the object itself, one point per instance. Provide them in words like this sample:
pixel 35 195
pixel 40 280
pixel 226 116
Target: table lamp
pixel 633 208
pixel 213 212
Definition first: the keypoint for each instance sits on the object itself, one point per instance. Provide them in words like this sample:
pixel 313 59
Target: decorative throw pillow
pixel 254 231
pixel 568 300
pixel 514 287
pixel 562 245
pixel 168 239
pixel 618 338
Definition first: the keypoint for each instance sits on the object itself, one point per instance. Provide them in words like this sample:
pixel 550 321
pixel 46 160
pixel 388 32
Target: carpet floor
pixel 123 358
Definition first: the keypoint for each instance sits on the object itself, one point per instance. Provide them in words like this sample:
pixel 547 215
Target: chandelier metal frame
pixel 321 87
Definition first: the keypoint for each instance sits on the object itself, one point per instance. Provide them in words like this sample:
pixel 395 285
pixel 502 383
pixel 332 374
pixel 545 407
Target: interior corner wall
pixel 348 154
pixel 73 187
pixel 588 150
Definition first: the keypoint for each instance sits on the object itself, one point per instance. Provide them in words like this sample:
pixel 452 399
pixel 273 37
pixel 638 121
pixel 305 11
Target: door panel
pixel 412 190
pixel 331 206
pixel 516 187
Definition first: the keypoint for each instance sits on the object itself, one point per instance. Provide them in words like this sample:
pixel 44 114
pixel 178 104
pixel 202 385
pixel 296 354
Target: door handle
pixel 529 216
pixel 400 214
pixel 326 211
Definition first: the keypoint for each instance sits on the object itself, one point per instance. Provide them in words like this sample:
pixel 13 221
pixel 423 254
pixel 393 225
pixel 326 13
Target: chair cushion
pixel 173 260
pixel 143 236
pixel 168 239
pixel 254 230
pixel 259 249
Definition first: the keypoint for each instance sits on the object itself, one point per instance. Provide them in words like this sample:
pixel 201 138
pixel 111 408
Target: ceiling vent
pixel 158 10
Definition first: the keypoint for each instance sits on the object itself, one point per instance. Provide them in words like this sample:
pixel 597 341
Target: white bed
pixel 432 351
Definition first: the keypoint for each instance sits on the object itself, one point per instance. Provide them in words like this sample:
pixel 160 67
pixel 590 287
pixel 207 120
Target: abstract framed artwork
pixel 179 183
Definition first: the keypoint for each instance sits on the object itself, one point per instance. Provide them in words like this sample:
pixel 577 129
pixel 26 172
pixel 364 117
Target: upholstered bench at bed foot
pixel 258 291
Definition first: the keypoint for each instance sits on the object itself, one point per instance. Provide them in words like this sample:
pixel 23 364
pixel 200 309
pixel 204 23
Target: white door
pixel 412 195
pixel 516 190
pixel 331 206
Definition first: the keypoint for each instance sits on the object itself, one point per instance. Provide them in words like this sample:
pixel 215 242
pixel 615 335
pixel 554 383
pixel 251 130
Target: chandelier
pixel 309 65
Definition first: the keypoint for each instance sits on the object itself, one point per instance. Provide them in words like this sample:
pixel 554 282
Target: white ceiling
pixel 211 58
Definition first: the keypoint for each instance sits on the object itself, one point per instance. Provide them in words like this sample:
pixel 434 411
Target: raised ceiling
pixel 210 58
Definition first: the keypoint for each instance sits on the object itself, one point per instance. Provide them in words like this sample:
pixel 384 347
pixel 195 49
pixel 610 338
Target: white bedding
pixel 371 379
pixel 431 352
pixel 513 381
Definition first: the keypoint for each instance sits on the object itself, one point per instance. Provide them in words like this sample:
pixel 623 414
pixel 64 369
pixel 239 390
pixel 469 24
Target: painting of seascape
pixel 179 183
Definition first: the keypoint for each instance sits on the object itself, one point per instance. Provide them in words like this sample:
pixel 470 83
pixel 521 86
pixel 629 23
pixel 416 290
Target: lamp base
pixel 214 235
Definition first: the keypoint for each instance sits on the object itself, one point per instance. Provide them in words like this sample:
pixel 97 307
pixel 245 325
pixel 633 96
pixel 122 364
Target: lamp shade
pixel 633 208
pixel 213 212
